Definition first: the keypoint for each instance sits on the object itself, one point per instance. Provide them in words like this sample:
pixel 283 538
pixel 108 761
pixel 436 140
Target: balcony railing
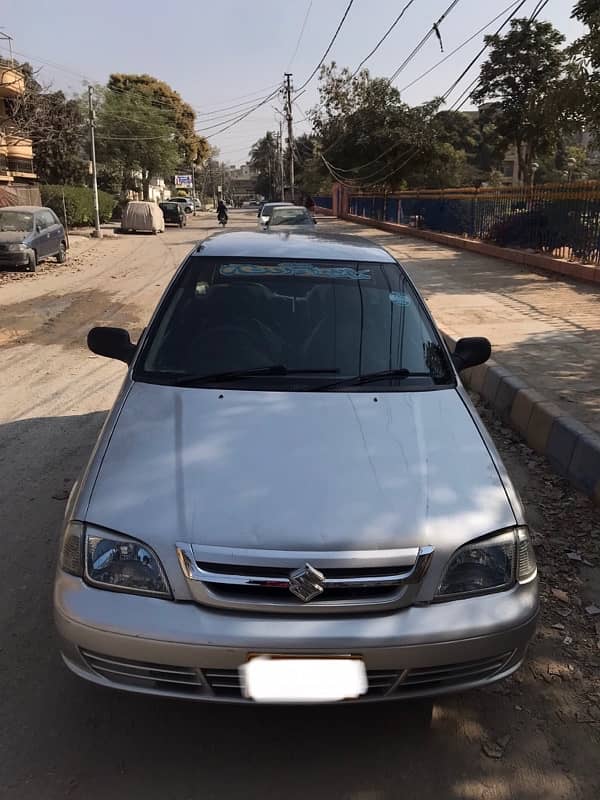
pixel 22 165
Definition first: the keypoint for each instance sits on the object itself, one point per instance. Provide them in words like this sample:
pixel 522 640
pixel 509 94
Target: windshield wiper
pixel 274 369
pixel 371 377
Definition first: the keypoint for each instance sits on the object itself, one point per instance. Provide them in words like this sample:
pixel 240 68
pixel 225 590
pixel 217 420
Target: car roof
pixel 28 209
pixel 273 244
pixel 275 203
pixel 290 207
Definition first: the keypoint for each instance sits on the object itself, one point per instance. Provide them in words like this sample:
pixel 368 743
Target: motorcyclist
pixel 222 211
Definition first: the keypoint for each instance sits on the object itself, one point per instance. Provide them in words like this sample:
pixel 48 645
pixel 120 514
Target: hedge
pixel 79 201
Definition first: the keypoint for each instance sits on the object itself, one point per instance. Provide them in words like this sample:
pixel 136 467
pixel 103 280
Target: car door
pixel 55 232
pixel 40 241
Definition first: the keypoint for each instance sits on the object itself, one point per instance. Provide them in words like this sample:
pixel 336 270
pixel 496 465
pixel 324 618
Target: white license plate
pixel 303 680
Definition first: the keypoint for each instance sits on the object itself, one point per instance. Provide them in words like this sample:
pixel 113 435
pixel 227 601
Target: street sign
pixel 219 188
pixel 183 180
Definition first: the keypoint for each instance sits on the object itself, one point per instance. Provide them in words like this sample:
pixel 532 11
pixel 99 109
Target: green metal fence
pixel 562 220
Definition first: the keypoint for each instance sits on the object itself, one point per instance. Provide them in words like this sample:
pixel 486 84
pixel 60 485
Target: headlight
pixel 117 562
pixel 489 565
pixel 17 248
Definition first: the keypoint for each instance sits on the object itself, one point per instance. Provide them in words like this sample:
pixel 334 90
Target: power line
pixel 433 30
pixel 464 96
pixel 244 115
pixel 482 50
pixel 384 37
pixel 301 35
pixel 460 47
pixel 329 46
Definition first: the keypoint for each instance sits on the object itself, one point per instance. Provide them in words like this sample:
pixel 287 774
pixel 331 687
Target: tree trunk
pixel 146 185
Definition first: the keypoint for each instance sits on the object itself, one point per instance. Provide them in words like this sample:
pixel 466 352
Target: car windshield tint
pixel 340 319
pixel 290 216
pixel 16 221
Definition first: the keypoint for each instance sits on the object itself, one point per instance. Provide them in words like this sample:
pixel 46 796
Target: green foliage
pixel 79 201
pixel 585 52
pixel 56 127
pixel 264 159
pixel 525 76
pixel 179 114
pixel 134 134
pixel 367 133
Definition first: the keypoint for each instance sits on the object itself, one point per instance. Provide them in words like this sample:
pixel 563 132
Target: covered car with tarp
pixel 140 215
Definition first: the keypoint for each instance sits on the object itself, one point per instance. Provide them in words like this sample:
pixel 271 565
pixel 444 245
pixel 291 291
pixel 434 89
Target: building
pixel 241 183
pixel 16 151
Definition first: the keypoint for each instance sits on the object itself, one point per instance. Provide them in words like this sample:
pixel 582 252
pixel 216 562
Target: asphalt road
pixel 61 738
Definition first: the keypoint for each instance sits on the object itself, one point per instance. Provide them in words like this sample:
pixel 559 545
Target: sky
pixel 219 54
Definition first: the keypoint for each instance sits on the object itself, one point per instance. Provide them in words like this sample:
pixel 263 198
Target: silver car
pixel 293 498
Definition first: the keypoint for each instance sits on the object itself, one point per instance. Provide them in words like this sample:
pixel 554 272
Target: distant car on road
pixel 173 213
pixel 293 498
pixel 142 216
pixel 266 209
pixel 29 234
pixel 291 216
pixel 186 202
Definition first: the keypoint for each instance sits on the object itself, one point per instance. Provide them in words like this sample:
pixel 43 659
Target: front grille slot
pixel 304 582
pixel 143 674
pixel 452 674
pixel 227 682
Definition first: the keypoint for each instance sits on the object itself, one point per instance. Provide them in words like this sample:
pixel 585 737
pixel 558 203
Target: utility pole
pixel 193 189
pixel 94 173
pixel 288 113
pixel 281 164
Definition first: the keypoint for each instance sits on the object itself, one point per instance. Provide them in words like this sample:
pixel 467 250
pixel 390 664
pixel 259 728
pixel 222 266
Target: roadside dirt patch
pixel 63 319
pixel 563 669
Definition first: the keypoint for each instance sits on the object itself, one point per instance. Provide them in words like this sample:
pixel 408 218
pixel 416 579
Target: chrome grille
pixel 227 682
pixel 183 680
pixel 386 683
pixel 453 674
pixel 265 580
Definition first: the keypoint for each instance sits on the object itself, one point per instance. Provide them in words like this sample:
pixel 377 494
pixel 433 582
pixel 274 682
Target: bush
pixel 79 201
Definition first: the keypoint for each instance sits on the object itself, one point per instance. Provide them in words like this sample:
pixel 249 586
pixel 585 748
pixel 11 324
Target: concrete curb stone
pixel 572 448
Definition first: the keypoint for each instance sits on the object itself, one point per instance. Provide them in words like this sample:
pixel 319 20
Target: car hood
pixel 10 237
pixel 298 470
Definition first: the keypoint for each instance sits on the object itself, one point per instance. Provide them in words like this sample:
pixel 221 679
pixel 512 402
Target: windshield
pixel 338 319
pixel 16 221
pixel 290 216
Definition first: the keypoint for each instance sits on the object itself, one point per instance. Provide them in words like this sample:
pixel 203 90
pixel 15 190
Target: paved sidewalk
pixel 545 330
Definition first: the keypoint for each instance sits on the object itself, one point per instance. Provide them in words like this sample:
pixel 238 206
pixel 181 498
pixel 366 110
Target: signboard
pixel 219 189
pixel 183 180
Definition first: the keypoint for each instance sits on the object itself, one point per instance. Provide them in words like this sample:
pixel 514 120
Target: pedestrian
pixel 309 203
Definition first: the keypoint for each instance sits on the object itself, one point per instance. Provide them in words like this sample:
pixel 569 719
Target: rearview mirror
pixel 471 351
pixel 111 343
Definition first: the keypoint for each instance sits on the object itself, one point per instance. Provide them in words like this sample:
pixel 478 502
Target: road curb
pixel 571 447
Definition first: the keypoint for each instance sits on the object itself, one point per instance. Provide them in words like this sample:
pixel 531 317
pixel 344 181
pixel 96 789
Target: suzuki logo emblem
pixel 306 583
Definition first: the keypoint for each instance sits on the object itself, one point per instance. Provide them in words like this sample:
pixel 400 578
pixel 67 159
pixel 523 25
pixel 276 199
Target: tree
pixel 191 147
pixel 264 159
pixel 367 134
pixel 525 76
pixel 586 62
pixel 310 173
pixel 133 134
pixel 55 126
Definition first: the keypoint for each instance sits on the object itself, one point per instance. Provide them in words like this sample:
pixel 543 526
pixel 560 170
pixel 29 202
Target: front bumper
pixel 14 259
pixel 185 650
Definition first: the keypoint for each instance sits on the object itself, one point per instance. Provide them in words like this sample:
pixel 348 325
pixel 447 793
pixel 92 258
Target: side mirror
pixel 111 343
pixel 471 351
